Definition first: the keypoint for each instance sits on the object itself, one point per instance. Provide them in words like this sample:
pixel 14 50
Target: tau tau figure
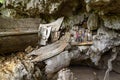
pixel 89 35
pixel 80 34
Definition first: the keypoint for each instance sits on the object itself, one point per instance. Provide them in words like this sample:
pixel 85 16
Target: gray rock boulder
pixel 112 22
pixel 105 40
pixel 92 22
pixel 104 6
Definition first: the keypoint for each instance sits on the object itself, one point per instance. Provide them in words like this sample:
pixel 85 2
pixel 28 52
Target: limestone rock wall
pixel 106 23
pixel 112 22
pixel 108 36
pixel 104 6
pixel 34 8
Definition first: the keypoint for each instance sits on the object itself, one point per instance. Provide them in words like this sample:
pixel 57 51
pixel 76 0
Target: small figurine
pixel 72 38
pixel 89 36
pixel 86 36
pixel 77 36
pixel 83 35
pixel 80 35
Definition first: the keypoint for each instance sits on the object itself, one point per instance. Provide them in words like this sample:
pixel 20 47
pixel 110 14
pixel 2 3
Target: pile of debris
pixel 18 67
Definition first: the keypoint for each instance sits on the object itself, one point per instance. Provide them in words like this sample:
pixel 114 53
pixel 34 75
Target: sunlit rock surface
pixel 48 6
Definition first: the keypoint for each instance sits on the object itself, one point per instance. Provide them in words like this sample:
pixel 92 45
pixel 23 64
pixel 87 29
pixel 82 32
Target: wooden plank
pixel 81 43
pixel 3 34
pixel 10 44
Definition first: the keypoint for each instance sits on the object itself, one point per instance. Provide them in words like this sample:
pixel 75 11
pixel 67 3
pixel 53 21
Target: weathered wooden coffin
pixel 16 35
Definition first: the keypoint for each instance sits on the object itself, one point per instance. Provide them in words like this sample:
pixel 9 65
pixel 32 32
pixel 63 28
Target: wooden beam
pixel 51 50
pixel 81 43
pixel 4 34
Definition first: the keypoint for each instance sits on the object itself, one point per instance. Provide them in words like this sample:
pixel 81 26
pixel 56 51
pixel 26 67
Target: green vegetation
pixel 2 1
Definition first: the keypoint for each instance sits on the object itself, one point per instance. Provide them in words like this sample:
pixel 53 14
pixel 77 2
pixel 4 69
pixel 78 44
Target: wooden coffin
pixel 16 35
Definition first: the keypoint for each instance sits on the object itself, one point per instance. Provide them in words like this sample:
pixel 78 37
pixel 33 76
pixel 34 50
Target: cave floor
pixel 87 73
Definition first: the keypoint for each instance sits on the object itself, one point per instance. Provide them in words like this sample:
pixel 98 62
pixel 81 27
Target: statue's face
pixel 45 32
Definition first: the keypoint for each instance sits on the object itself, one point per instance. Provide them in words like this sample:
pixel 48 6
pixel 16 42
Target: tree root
pixel 113 57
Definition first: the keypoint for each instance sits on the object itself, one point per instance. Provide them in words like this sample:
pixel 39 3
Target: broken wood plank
pixel 10 44
pixel 54 25
pixel 51 50
pixel 82 43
